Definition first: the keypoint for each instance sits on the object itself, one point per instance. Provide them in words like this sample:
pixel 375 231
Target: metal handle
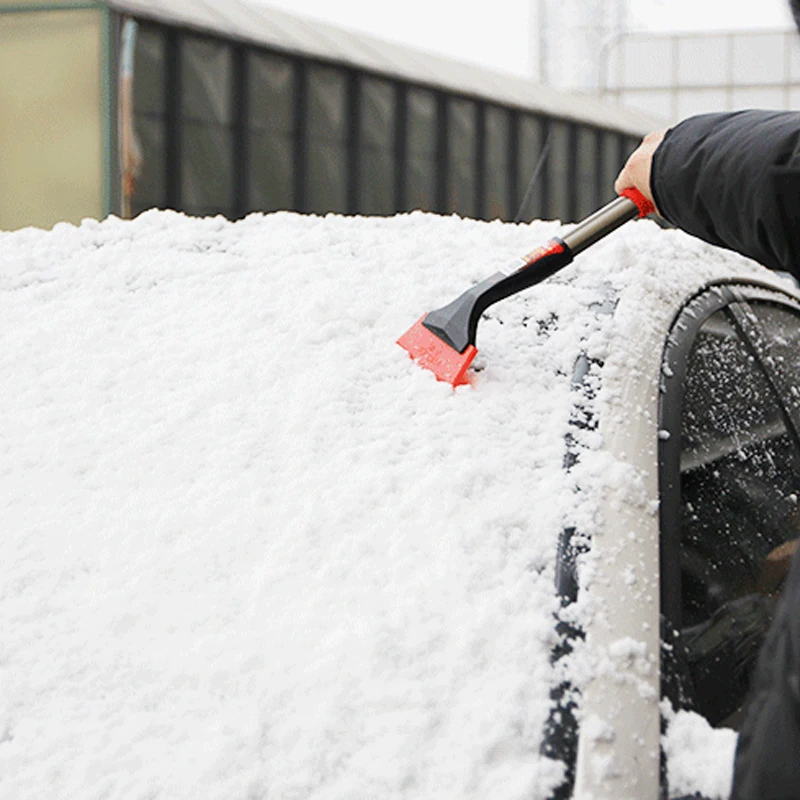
pixel 600 224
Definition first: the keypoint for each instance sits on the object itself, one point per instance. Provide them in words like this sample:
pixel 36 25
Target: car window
pixel 740 475
pixel 739 490
pixel 781 329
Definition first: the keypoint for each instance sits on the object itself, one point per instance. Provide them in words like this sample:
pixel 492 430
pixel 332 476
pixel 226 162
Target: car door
pixel 729 481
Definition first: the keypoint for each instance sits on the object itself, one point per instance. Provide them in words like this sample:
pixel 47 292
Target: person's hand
pixel 636 172
pixel 775 568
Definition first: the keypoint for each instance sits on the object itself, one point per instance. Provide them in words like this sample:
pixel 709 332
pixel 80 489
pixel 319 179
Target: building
pixel 240 108
pixel 677 75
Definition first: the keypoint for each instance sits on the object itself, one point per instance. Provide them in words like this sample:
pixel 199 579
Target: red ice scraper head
pixel 433 353
pixel 443 341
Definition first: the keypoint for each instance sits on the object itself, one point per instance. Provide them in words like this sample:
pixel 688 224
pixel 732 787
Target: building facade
pixel 240 108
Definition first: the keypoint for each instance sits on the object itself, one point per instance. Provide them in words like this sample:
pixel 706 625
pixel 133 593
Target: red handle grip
pixel 642 203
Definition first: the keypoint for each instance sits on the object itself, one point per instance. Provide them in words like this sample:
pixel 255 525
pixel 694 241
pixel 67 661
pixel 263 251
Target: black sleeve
pixel 767 763
pixel 734 180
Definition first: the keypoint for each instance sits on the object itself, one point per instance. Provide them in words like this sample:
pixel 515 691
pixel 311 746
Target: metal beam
pixel 78 5
pixel 107 94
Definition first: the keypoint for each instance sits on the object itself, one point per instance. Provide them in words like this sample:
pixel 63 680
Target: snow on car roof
pixel 249 546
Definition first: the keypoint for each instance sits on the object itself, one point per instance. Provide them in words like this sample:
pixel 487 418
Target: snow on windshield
pixel 250 549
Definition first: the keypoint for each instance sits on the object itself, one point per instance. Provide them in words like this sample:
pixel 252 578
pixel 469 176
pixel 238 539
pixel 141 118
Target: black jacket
pixel 734 180
pixel 767 763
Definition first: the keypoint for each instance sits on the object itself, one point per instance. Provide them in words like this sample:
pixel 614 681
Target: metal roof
pixel 267 27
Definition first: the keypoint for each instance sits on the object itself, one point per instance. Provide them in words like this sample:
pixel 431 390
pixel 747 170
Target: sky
pixel 499 35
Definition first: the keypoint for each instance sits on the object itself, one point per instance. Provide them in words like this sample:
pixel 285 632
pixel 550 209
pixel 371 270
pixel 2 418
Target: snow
pixel 250 549
pixel 699 757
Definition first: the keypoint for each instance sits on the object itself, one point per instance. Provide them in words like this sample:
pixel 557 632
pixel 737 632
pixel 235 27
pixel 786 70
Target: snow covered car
pixel 251 549
pixel 697 407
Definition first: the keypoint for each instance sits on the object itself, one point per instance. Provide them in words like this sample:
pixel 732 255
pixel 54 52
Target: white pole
pixel 129 158
pixel 543 35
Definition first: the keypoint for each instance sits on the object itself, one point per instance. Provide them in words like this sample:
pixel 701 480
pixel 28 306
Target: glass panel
pixel 658 102
pixel 327 178
pixel 149 101
pixel 792 45
pixel 759 58
pixel 629 145
pixel 740 480
pixel 647 61
pixel 782 330
pixel 421 183
pixel 326 160
pixel 496 201
pixel 461 129
pixel 148 71
pixel 207 170
pixel 206 134
pixel 558 172
pixel 271 174
pixel 611 68
pixel 270 92
pixel 377 182
pixel 703 60
pixel 206 80
pixel 462 161
pixel 586 172
pixel 701 101
pixel 461 188
pixel 376 156
pixel 421 121
pixel 377 112
pixel 327 97
pixel 762 97
pixel 421 170
pixel 530 151
pixel 611 165
pixel 497 132
pixel 150 185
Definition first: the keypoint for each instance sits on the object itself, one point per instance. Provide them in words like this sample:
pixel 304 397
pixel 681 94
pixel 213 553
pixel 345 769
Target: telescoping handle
pixel 631 203
pixel 559 252
pixel 456 323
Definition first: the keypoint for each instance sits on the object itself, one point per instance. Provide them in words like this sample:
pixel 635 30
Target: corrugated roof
pixel 268 27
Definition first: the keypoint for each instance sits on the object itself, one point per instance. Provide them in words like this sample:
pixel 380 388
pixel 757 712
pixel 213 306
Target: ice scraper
pixel 443 341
